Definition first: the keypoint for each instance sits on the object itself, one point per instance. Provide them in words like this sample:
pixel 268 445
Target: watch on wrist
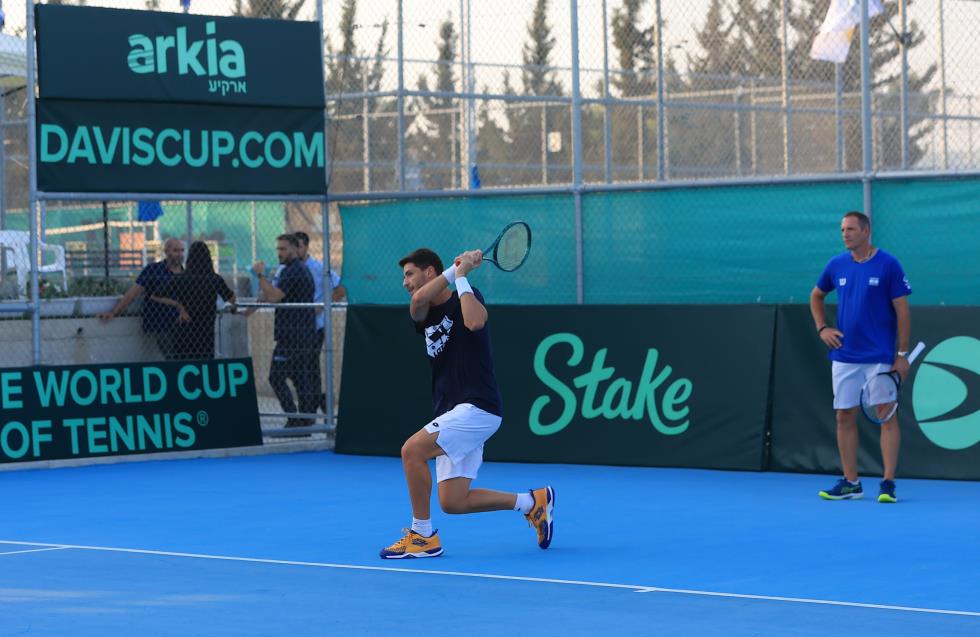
pixel 903 354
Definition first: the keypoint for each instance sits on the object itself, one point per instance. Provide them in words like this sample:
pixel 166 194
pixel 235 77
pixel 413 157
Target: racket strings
pixel 512 248
pixel 879 398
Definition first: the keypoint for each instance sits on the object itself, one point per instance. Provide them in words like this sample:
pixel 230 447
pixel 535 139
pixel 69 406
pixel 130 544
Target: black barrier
pixel 59 412
pixel 939 409
pixel 678 386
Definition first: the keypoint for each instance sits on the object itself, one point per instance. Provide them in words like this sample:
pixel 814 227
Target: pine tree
pixel 436 135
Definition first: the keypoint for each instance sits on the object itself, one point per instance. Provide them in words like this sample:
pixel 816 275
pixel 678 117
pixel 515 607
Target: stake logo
pixel 946 394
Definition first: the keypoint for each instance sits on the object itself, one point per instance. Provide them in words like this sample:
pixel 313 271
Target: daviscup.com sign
pixel 165 102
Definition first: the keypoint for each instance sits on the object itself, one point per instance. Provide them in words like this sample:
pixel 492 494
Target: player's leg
pixel 416 453
pixel 421 540
pixel 847 381
pixel 456 497
pixel 891 440
pixel 278 372
pixel 847 442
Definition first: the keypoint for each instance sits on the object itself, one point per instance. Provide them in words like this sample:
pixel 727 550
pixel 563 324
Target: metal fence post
pixel 942 84
pixel 661 118
pixel 32 198
pixel 866 158
pixel 401 96
pixel 606 119
pixel 787 115
pixel 904 88
pixel 577 158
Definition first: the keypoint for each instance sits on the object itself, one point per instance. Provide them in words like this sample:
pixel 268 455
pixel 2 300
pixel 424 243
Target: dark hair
pixel 862 218
pixel 289 238
pixel 422 259
pixel 199 259
pixel 302 237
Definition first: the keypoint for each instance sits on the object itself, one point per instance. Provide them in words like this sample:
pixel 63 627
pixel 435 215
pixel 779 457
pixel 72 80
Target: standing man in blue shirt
pixel 294 327
pixel 872 336
pixel 158 319
pixel 466 405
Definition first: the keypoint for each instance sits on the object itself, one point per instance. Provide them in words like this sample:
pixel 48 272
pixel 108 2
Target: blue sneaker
pixel 886 493
pixel 843 490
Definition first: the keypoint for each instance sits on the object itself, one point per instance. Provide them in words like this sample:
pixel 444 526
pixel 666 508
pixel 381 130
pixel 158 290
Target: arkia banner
pixel 150 102
pixel 158 148
pixel 679 386
pixel 59 412
pixel 119 55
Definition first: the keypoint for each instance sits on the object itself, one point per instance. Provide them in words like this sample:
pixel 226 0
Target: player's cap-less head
pixel 419 267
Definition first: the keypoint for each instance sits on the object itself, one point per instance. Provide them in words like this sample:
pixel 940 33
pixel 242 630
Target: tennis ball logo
pixel 946 394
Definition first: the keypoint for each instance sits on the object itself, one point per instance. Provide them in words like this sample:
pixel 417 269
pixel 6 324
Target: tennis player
pixel 872 317
pixel 466 404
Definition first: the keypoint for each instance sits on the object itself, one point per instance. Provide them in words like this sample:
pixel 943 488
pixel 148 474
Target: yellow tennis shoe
pixel 541 515
pixel 413 545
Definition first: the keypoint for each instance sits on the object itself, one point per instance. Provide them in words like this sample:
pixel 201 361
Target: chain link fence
pixel 456 96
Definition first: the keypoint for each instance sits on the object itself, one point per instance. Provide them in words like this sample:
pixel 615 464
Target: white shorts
pixel 848 378
pixel 462 431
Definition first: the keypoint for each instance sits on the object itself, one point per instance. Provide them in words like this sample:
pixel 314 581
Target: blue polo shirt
pixel 154 279
pixel 461 360
pixel 865 313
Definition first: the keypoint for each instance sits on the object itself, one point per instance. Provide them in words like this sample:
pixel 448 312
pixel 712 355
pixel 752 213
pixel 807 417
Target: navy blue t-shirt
pixel 154 279
pixel 865 313
pixel 295 327
pixel 461 360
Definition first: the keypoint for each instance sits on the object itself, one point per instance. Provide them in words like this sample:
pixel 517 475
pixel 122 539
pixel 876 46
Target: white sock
pixel 524 503
pixel 422 527
pixel 855 483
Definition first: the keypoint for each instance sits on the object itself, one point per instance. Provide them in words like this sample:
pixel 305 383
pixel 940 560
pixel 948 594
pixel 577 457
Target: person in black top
pixel 195 293
pixel 159 319
pixel 466 405
pixel 295 329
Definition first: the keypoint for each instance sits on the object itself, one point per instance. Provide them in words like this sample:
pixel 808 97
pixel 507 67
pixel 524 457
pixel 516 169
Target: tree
pixel 436 135
pixel 274 9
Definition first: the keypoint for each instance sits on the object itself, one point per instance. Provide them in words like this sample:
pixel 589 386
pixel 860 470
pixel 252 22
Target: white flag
pixel 834 39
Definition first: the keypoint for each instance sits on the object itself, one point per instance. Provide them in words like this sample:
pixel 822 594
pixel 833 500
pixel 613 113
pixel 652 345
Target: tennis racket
pixel 879 395
pixel 510 249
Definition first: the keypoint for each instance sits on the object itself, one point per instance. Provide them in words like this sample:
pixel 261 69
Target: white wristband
pixel 463 286
pixel 450 274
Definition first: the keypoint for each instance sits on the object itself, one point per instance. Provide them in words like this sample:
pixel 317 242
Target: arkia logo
pixel 224 58
pixel 946 394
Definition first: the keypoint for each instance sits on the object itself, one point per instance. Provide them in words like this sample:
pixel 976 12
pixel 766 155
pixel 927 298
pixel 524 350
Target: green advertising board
pixel 939 408
pixel 150 102
pixel 158 148
pixel 678 386
pixel 119 55
pixel 61 412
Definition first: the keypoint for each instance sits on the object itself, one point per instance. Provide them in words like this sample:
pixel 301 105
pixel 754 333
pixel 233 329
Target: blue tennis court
pixel 287 545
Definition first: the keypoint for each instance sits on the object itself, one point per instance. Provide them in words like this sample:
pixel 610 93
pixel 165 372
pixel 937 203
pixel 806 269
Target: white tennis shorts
pixel 462 431
pixel 848 378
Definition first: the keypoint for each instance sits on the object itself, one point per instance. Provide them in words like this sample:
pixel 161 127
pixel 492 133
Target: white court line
pixel 53 548
pixel 515 578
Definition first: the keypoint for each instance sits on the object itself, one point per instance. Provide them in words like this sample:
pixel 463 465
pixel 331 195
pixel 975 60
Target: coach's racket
pixel 510 249
pixel 879 396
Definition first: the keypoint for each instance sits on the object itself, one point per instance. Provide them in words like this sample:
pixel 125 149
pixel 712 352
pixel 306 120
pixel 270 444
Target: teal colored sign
pixel 51 413
pixel 946 393
pixel 187 148
pixel 149 56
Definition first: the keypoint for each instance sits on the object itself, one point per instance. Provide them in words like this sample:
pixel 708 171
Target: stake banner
pixel 85 146
pixel 677 386
pixel 939 404
pixel 149 56
pixel 60 412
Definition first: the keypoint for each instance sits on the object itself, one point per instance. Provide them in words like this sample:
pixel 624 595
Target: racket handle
pixel 914 354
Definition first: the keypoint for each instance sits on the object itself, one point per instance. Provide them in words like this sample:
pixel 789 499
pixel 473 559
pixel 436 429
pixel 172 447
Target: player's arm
pixel 474 312
pixel 904 318
pixel 423 297
pixel 829 335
